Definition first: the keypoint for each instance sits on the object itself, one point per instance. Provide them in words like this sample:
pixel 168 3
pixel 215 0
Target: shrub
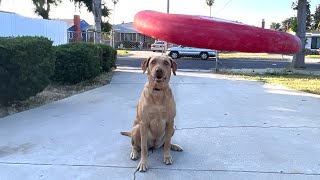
pixel 311 52
pixel 26 64
pixel 76 62
pixel 113 58
pixel 108 57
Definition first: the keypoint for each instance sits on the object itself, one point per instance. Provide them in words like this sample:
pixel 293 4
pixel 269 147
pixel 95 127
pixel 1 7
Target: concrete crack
pixel 159 168
pixel 238 171
pixel 263 127
pixel 69 165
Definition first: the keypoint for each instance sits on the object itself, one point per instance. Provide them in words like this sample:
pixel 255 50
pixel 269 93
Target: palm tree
pixel 210 3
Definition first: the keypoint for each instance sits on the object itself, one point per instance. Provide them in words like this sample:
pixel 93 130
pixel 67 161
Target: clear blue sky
pixel 247 11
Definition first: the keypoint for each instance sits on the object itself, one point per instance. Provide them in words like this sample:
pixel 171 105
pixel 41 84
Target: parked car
pixel 184 51
pixel 158 46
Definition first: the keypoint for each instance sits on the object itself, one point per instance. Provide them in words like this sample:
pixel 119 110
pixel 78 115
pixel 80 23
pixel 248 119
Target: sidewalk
pixel 229 129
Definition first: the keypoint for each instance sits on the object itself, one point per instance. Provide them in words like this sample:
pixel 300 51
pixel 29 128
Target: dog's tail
pixel 126 133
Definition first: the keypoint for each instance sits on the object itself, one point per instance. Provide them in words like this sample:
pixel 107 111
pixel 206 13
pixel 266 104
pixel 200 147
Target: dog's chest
pixel 158 117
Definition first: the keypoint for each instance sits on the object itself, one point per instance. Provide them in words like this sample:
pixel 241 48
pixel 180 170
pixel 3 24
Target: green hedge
pixel 113 58
pixel 108 57
pixel 26 64
pixel 76 62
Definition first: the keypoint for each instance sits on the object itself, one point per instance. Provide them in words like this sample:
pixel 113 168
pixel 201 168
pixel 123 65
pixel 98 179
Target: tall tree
pixel 299 58
pixel 43 7
pixel 210 4
pixel 105 26
pixel 316 19
pixel 289 23
pixel 275 26
pixel 308 12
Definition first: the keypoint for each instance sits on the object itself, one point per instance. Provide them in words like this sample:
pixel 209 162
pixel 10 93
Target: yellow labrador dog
pixel 153 126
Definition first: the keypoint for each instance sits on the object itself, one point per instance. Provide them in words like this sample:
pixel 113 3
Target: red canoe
pixel 213 33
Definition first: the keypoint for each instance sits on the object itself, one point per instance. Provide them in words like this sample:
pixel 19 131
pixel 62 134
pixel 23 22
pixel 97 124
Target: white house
pixel 313 40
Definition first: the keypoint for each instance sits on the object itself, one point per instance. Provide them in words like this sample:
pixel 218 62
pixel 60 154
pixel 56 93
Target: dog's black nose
pixel 158 70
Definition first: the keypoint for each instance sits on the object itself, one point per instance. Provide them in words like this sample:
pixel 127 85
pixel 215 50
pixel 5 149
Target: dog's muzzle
pixel 159 76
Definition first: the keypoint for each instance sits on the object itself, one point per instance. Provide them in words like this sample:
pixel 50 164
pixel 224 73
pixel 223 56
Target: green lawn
pixel 122 52
pixel 306 83
pixel 258 55
pixel 313 56
pixel 249 55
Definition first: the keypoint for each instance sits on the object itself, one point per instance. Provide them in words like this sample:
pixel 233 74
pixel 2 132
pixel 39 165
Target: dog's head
pixel 159 70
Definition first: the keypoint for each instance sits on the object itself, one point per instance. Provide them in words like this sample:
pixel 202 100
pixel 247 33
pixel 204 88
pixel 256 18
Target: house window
pixel 70 34
pixel 134 37
pixel 315 43
pixel 128 37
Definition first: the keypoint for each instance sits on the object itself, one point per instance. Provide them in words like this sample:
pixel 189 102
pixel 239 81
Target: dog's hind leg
pixel 176 147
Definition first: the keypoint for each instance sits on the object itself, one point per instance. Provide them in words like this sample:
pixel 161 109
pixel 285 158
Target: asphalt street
pixel 232 63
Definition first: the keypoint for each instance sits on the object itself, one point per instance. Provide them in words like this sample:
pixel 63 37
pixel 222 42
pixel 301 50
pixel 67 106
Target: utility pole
pixel 114 13
pixel 166 43
pixel 299 58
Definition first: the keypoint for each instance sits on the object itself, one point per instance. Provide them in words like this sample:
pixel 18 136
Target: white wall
pixel 16 25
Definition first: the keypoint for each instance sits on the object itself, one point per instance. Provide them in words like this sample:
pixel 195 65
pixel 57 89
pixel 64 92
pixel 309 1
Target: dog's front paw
pixel 143 166
pixel 134 155
pixel 167 160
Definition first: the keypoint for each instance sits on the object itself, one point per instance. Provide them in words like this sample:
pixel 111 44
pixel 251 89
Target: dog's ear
pixel 145 64
pixel 174 66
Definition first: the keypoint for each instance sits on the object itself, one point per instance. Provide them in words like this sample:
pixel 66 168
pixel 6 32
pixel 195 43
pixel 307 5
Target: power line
pixel 223 7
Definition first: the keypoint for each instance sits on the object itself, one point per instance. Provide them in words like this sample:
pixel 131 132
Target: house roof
pixel 125 28
pixel 83 24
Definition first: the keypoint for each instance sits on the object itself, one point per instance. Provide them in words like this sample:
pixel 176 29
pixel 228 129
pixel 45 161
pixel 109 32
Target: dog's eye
pixel 153 62
pixel 166 63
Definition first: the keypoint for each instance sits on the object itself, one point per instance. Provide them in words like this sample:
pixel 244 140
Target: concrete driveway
pixel 229 129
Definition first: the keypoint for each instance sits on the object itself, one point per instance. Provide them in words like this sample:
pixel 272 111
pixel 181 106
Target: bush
pixel 114 58
pixel 311 52
pixel 108 56
pixel 76 62
pixel 26 64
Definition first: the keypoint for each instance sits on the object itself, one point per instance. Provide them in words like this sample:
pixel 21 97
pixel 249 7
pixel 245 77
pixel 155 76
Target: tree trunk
pixel 96 4
pixel 299 58
pixel 210 11
pixel 48 10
